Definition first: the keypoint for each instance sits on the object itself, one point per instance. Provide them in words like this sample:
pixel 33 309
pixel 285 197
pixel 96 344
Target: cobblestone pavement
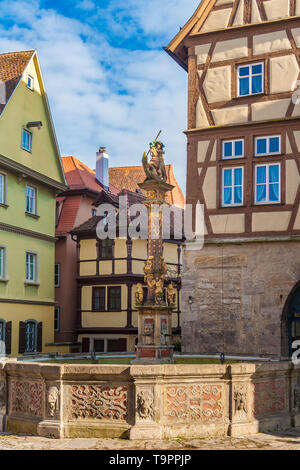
pixel 284 440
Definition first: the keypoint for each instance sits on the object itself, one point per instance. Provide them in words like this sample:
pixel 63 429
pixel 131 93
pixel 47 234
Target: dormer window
pixel 250 79
pixel 30 82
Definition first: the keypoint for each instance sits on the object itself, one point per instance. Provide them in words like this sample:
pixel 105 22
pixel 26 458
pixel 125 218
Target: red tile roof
pixel 67 216
pixel 128 177
pixel 12 66
pixel 80 176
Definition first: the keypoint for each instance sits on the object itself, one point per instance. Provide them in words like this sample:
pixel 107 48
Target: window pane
pixel 244 71
pixel 99 345
pixel 227 149
pixel 261 174
pixel 227 195
pixel 114 299
pixel 257 68
pixel 261 146
pixel 274 192
pixel 238 148
pixel 227 177
pixel 274 173
pixel 99 299
pixel 112 345
pixel 261 192
pixel 244 86
pixel 238 176
pixel 274 145
pixel 238 197
pixel 257 86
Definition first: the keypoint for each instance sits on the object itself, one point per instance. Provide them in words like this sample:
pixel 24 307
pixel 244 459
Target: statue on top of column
pixel 155 169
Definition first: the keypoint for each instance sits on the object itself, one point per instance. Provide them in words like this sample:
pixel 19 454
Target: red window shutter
pixel 39 343
pixel 85 345
pixel 8 337
pixel 22 337
pixel 122 345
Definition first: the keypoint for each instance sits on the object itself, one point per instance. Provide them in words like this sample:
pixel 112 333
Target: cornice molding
pixel 26 232
pixel 15 167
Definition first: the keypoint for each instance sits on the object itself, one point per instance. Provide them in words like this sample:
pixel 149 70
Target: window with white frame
pixel 31 267
pixel 56 318
pixel 267 183
pixel 31 204
pixel 2 262
pixel 250 79
pixel 26 140
pixel 2 188
pixel 30 82
pixel 233 148
pixel 270 145
pixel 57 275
pixel 232 186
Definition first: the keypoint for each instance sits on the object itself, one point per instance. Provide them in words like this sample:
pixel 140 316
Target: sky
pixel 109 81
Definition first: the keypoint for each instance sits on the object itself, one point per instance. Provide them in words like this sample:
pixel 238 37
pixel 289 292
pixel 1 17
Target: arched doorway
pixel 290 324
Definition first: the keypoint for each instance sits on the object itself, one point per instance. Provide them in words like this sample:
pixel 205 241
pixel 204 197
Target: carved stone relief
pixel 53 401
pixel 145 404
pixel 98 402
pixel 26 398
pixel 195 402
pixel 240 402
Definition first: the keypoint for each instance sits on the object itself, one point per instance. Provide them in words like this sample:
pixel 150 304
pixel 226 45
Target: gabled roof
pixel 12 66
pixel 220 15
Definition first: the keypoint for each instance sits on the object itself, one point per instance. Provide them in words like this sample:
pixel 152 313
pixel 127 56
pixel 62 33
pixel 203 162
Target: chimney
pixel 102 168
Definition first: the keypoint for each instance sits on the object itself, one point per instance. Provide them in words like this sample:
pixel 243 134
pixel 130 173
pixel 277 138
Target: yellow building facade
pixel 30 177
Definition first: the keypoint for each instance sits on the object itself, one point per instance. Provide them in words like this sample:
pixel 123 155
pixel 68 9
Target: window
pixel 233 148
pixel 106 249
pixel 98 300
pixel 99 345
pixel 30 337
pixel 267 145
pixel 56 318
pixel 57 275
pixel 30 82
pixel 232 186
pixel 267 183
pixel 2 188
pixel 250 79
pixel 2 262
pixel 31 267
pixel 26 140
pixel 114 298
pixel 112 345
pixel 31 200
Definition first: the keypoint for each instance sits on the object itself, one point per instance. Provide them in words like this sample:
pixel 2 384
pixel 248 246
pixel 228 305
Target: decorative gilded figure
pixel 139 295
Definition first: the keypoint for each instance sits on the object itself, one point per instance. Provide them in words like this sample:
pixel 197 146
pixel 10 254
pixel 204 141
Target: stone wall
pixel 152 402
pixel 239 292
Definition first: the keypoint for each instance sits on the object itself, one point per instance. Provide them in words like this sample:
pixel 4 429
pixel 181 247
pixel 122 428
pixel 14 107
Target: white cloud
pixel 105 95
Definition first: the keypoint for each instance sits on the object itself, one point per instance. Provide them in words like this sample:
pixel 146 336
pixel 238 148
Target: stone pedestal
pixel 155 335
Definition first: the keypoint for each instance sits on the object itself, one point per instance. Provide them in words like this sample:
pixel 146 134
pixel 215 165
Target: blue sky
pixel 108 80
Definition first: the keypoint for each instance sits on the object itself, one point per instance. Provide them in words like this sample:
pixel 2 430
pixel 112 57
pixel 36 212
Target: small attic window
pixel 30 82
